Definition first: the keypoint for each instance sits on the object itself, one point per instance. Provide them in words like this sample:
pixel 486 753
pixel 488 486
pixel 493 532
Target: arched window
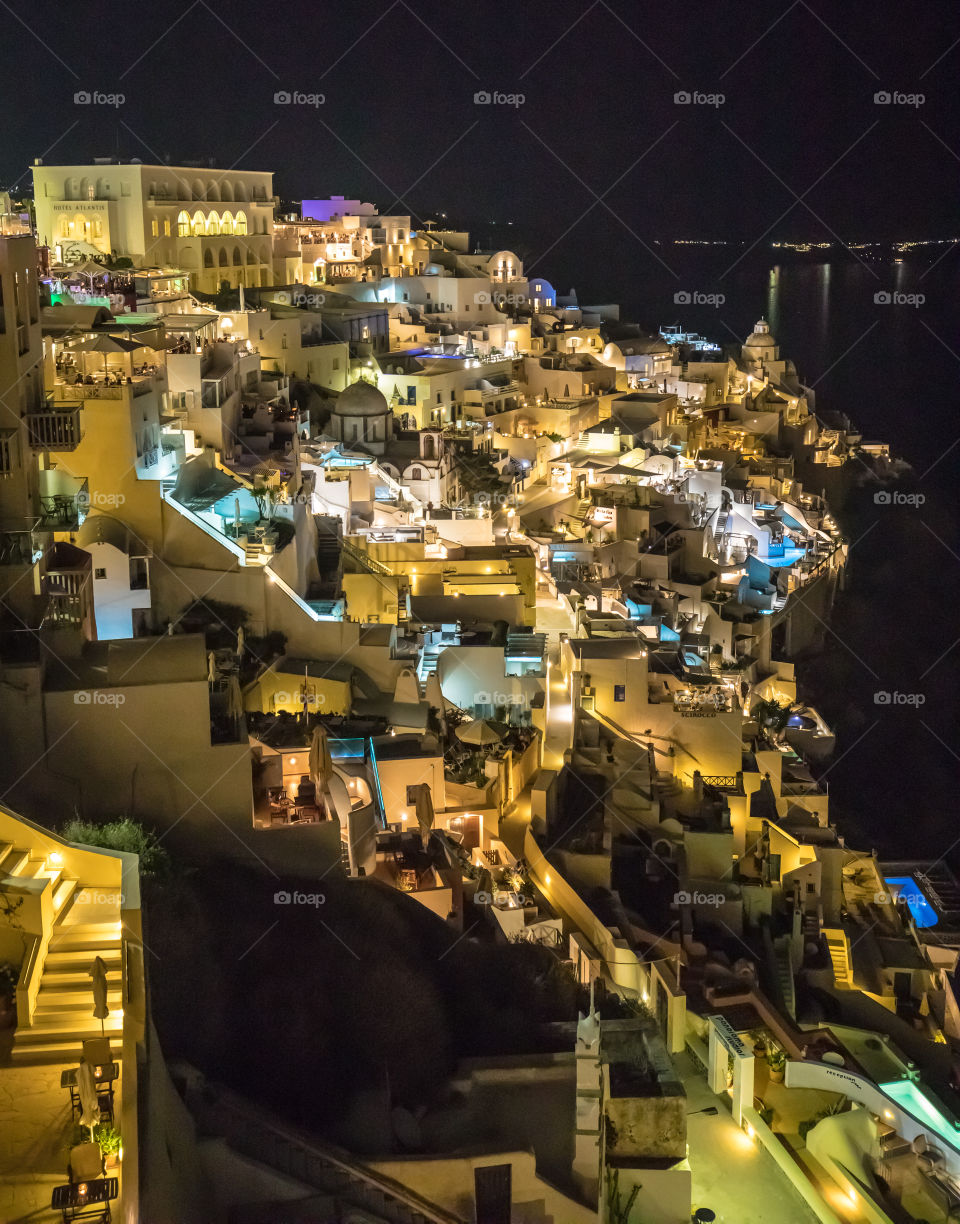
pixel 213 191
pixel 429 447
pixel 199 228
pixel 237 257
pixel 240 223
pixel 213 223
pixel 208 258
pixel 416 474
pixel 240 192
pixel 251 258
pixel 183 224
pixel 226 191
pixel 224 263
pixel 226 223
pixel 196 189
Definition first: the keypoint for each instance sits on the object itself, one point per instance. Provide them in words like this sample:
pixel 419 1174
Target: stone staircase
pixel 838 945
pixel 87 925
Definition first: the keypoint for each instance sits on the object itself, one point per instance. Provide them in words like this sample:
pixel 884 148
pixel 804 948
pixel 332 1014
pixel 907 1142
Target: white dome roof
pixel 761 336
pixel 361 399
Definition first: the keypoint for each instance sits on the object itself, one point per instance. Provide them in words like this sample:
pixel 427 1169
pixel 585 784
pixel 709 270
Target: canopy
pixel 105 343
pixel 479 732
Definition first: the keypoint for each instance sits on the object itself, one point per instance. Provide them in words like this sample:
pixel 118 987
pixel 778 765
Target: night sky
pixel 399 125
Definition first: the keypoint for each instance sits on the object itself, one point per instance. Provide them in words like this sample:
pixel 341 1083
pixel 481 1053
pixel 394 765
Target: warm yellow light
pixel 56 858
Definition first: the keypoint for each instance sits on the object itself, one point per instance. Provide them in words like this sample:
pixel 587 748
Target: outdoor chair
pixel 86 1162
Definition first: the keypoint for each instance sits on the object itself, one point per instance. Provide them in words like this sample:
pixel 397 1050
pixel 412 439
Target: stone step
pixel 79 960
pixel 85 935
pixel 63 896
pixel 76 995
pixel 70 1027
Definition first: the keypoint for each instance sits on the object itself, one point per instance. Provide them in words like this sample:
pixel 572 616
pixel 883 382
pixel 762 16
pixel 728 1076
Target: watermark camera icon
pixel 482 298
pixel 682 898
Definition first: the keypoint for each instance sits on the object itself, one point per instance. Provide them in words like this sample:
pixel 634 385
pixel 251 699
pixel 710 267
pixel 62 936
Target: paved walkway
pixel 733 1174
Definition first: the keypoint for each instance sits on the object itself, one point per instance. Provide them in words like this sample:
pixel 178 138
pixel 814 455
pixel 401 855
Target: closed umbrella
pixel 321 764
pixel 234 699
pixel 240 640
pixel 98 971
pixel 425 813
pixel 87 1091
pixel 211 666
pixel 480 732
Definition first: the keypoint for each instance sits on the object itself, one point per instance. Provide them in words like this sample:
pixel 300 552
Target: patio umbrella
pixel 87 1091
pixel 211 667
pixel 321 764
pixel 105 343
pixel 98 971
pixel 479 732
pixel 240 641
pixel 90 269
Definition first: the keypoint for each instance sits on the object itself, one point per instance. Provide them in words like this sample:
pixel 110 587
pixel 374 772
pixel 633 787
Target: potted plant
pixel 777 1060
pixel 108 1138
pixel 759 1045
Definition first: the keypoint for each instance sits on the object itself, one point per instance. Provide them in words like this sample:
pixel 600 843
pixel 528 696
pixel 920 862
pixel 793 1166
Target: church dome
pixel 761 336
pixel 361 399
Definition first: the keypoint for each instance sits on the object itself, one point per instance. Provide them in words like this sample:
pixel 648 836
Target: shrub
pixel 123 834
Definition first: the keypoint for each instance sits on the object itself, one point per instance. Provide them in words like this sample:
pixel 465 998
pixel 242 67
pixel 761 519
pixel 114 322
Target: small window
pixel 99 573
pixel 619 692
pixel 166 228
pixel 154 228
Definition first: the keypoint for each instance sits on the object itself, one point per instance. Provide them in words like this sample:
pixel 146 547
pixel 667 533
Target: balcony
pixel 55 429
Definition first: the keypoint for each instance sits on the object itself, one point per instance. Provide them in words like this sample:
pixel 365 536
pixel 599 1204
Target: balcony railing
pixel 57 430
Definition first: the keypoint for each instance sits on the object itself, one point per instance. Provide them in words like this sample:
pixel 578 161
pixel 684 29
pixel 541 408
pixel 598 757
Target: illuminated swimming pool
pixel 906 887
pixel 910 1098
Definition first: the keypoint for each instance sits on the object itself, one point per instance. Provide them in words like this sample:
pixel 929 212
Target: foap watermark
pixel 693 297
pixel 313 701
pixel 495 97
pixel 499 299
pixel 303 300
pixel 893 297
pixel 96 97
pixel 98 697
pixel 495 499
pixel 698 898
pixel 893 497
pixel 296 97
pixel 98 896
pixel 911 898
pixel 893 97
pixel 883 697
pixel 513 900
pixel 693 97
pixel 497 699
pixel 282 897
pixel 110 500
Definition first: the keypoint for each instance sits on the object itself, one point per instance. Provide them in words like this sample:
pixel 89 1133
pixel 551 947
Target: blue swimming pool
pixel 906 887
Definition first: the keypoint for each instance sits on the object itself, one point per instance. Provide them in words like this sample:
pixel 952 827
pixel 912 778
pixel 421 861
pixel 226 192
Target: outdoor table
pixel 103 1073
pixel 84 1200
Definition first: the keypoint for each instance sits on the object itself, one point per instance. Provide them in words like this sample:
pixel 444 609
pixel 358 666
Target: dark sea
pixel 877 340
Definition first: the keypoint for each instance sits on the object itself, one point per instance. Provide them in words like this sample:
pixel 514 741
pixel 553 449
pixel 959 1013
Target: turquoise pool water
pixel 909 1097
pixel 922 912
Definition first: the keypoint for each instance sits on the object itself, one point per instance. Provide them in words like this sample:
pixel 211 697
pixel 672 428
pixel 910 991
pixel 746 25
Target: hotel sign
pixel 728 1038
